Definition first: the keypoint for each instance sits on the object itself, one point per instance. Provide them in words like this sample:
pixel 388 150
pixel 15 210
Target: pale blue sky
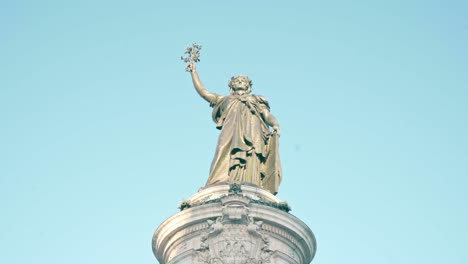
pixel 102 134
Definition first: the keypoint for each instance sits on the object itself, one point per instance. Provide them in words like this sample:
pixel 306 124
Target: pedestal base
pixel 233 224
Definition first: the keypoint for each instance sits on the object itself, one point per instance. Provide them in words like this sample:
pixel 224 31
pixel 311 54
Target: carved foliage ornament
pixel 235 191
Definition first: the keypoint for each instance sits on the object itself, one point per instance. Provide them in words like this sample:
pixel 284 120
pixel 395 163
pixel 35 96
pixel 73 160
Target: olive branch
pixel 191 54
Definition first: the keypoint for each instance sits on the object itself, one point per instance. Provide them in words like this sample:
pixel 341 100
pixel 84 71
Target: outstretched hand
pixel 192 67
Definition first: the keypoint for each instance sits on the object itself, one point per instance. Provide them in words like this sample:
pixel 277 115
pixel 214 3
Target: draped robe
pixel 246 151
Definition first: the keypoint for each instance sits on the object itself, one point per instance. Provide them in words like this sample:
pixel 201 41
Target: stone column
pixel 233 224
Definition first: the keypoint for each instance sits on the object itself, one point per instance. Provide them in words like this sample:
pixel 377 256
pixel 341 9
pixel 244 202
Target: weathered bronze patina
pixel 247 149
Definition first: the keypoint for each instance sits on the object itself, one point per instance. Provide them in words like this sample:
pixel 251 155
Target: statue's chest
pixel 239 102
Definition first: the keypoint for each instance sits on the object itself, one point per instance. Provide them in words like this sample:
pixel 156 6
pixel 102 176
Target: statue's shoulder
pixel 216 99
pixel 262 100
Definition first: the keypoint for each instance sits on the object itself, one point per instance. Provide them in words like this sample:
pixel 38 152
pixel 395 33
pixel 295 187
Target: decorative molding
pixel 283 206
pixel 235 188
pixel 235 193
pixel 184 205
pixel 235 199
pixel 280 232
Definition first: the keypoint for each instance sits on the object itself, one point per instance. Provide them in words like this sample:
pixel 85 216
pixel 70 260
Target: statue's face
pixel 240 84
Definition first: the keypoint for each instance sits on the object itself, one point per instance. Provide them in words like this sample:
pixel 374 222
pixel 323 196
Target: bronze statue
pixel 247 150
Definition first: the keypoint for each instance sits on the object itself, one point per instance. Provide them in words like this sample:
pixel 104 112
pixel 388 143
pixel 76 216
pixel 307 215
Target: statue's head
pixel 240 83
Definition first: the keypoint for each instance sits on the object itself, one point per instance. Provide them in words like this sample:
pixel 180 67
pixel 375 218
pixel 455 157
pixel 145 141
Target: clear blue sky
pixel 102 134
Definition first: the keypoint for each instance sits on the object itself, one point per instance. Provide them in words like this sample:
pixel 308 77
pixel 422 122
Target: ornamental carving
pixel 234 238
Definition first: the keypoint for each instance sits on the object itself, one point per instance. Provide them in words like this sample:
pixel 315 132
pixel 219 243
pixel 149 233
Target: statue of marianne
pixel 247 151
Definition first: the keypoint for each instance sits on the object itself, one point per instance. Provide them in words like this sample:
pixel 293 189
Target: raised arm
pixel 210 97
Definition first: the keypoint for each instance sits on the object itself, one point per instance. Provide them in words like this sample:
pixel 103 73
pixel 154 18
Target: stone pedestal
pixel 233 224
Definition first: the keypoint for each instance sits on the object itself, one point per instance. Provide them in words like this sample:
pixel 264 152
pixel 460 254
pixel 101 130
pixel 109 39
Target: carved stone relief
pixel 234 238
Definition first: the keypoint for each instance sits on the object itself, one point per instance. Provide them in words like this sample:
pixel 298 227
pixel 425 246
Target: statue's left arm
pixel 270 120
pixel 268 117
